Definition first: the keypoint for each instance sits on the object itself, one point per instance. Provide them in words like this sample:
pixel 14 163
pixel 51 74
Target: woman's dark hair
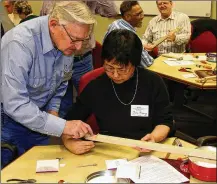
pixel 122 45
pixel 127 6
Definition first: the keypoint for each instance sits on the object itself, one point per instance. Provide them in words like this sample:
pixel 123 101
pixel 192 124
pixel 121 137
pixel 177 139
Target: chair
pixel 9 152
pixel 204 36
pixel 154 53
pixel 85 79
pixel 201 141
pixel 97 61
pixel 203 40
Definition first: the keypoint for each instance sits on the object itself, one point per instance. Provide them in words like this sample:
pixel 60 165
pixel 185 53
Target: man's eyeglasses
pixel 141 14
pixel 74 41
pixel 121 71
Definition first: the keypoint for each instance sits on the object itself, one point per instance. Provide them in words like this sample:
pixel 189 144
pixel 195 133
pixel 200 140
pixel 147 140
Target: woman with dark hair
pixel 128 101
pixel 24 10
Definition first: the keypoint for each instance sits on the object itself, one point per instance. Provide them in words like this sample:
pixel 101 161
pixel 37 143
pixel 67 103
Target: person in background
pixel 132 16
pixel 102 7
pixel 24 10
pixel 36 59
pixel 6 22
pixel 127 101
pixel 12 14
pixel 83 59
pixel 165 24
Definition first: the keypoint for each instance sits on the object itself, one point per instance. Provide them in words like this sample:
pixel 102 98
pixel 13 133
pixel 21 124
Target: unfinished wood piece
pixel 160 40
pixel 153 146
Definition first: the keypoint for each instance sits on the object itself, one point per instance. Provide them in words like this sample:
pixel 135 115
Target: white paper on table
pixel 47 165
pixel 178 62
pixel 155 170
pixel 189 75
pixel 113 164
pixel 128 170
pixel 188 57
pixel 202 58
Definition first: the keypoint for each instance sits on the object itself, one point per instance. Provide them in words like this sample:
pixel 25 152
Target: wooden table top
pixel 173 73
pixel 25 166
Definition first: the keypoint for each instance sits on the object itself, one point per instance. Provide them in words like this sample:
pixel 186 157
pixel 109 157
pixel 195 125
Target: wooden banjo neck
pixel 153 146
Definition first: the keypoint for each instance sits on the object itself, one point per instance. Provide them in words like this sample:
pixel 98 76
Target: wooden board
pixel 160 40
pixel 153 146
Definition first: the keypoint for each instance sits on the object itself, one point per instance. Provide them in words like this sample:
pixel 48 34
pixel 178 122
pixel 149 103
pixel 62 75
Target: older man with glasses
pixel 127 100
pixel 83 59
pixel 37 61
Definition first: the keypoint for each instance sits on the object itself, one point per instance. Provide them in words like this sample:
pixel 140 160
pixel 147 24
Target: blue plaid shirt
pixel 146 59
pixel 34 76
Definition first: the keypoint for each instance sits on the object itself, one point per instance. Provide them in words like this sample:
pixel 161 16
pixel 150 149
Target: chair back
pixel 85 79
pixel 97 61
pixel 204 36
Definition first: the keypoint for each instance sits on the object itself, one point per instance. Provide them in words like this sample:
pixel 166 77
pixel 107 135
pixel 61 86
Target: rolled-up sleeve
pixel 16 99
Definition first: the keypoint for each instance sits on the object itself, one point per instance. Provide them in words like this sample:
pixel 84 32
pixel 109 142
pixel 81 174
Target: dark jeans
pixel 18 135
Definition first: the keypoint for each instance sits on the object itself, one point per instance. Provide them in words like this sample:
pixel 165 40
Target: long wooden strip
pixel 160 40
pixel 154 146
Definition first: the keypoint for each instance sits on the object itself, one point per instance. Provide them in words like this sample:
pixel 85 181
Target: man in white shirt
pixel 165 24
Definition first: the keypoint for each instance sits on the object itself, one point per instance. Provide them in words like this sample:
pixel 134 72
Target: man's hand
pixel 171 36
pixel 77 146
pixel 149 47
pixel 149 138
pixel 77 129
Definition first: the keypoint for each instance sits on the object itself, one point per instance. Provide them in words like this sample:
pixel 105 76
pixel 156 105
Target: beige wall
pixel 102 22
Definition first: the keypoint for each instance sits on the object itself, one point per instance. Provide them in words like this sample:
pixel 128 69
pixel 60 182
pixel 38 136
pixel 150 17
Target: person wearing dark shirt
pixel 24 10
pixel 128 101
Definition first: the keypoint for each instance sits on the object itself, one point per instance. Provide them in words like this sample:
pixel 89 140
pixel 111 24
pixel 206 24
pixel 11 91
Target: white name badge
pixel 140 110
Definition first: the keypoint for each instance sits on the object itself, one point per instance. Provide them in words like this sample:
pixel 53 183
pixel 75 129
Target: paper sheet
pixel 47 166
pixel 190 75
pixel 178 62
pixel 128 170
pixel 113 164
pixel 155 170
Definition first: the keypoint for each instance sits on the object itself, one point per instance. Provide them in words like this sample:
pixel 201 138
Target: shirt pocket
pixel 37 85
pixel 66 74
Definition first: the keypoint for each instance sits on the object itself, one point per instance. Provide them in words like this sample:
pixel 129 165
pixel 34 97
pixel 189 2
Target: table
pixel 24 167
pixel 173 73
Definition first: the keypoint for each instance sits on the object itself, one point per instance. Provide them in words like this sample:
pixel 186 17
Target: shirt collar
pixel 47 44
pixel 130 26
pixel 172 16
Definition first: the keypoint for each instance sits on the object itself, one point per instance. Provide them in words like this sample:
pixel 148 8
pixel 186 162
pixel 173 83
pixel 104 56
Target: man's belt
pixel 80 57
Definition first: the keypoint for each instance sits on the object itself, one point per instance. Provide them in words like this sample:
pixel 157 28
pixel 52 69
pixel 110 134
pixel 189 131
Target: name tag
pixel 140 110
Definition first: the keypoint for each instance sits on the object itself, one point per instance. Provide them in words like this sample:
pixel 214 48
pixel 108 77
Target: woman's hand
pixel 149 138
pixel 77 146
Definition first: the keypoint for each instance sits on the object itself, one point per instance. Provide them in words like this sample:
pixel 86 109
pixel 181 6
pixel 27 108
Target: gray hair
pixel 72 11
